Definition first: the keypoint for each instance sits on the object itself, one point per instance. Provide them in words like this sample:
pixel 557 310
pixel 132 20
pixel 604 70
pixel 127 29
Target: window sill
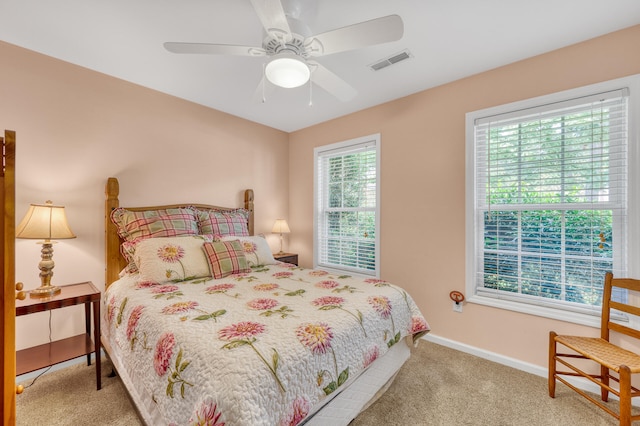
pixel 541 311
pixel 336 271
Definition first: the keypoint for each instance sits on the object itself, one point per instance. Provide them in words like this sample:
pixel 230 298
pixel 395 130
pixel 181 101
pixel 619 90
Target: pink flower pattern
pixel 171 253
pixel 134 317
pixel 219 288
pixel 207 415
pixel 375 281
pixel 381 304
pixel 371 355
pixel 418 324
pixel 146 284
pixel 249 246
pixel 328 301
pixel 327 284
pixel 111 309
pixel 163 353
pixel 335 302
pixel 316 337
pixel 265 287
pixel 262 304
pixel 283 274
pixel 244 333
pixel 163 289
pixel 299 411
pixel 179 308
pixel 241 330
pixel 239 275
pixel 287 265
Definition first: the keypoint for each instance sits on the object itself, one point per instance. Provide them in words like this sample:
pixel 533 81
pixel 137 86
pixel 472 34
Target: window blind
pixel 551 200
pixel 347 200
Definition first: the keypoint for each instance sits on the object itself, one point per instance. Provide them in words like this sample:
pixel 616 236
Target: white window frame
pixel 344 147
pixel 633 200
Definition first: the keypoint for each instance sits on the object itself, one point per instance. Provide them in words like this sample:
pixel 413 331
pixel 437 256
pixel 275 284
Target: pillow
pixel 171 259
pixel 219 222
pixel 225 258
pixel 155 223
pixel 256 250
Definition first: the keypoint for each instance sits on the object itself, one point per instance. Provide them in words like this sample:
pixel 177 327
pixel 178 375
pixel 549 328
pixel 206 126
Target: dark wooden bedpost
pixel 248 204
pixel 112 242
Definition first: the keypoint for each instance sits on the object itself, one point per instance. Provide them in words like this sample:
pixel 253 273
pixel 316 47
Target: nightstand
pixel 38 357
pixel 287 257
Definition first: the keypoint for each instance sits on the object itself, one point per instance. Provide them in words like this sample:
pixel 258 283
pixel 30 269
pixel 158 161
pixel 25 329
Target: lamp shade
pixel 45 222
pixel 287 70
pixel 281 227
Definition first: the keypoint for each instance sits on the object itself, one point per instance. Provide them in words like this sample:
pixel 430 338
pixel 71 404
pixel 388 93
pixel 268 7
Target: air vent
pixel 391 60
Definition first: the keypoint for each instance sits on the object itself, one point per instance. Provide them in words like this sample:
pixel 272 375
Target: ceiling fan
pixel 290 51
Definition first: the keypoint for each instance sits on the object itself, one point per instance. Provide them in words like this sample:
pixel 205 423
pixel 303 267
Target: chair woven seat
pixel 616 365
pixel 602 352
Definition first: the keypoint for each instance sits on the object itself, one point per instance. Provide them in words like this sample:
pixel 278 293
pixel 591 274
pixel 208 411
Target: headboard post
pixel 248 205
pixel 112 250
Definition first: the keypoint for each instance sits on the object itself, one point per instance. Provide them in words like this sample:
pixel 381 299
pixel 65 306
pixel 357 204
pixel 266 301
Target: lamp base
pixel 45 291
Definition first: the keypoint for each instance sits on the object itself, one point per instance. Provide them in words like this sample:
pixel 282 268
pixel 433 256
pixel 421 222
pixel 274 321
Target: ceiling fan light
pixel 287 71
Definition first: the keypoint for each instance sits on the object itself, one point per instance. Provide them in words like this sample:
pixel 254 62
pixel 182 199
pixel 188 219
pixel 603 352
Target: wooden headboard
pixel 115 262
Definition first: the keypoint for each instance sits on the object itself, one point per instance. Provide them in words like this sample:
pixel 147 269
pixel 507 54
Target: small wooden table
pixel 287 257
pixel 38 357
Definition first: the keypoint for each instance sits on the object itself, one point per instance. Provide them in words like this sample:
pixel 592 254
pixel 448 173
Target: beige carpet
pixel 438 387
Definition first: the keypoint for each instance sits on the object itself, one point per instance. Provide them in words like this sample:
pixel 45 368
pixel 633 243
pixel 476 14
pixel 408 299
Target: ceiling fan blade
pixel 368 33
pixel 272 16
pixel 214 49
pixel 332 83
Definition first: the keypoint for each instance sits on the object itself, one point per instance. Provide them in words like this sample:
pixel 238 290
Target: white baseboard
pixel 583 384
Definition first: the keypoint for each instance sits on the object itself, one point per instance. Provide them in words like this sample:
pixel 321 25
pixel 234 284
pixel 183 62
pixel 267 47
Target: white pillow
pixel 172 259
pixel 256 249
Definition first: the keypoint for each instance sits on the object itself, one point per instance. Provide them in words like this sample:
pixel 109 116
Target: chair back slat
pixel 608 305
pixel 629 309
pixel 628 283
pixel 619 328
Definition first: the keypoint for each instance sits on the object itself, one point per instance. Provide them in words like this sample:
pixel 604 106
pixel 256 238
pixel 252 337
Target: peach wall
pixel 76 127
pixel 423 185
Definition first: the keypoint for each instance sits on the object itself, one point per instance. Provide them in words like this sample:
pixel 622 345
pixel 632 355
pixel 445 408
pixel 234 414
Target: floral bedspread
pixel 261 348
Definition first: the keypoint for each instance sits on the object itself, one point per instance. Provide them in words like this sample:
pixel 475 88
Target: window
pixel 347 183
pixel 548 201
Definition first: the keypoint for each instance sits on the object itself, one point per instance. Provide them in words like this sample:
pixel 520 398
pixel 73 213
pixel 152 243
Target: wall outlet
pixel 457 307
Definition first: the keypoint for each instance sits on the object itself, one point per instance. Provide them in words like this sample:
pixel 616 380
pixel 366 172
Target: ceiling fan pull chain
pixel 310 92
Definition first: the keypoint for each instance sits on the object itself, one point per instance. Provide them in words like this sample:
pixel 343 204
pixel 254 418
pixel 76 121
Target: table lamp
pixel 45 222
pixel 280 227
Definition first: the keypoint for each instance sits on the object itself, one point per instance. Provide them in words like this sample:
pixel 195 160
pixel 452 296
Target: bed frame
pixel 114 261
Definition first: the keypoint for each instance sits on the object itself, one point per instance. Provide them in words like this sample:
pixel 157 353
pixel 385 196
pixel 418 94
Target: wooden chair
pixel 609 357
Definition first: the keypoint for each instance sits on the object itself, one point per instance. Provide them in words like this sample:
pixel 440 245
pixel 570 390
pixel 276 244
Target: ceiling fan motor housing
pixel 275 43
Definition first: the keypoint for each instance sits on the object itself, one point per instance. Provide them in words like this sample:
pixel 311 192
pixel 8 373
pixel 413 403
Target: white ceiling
pixel 449 40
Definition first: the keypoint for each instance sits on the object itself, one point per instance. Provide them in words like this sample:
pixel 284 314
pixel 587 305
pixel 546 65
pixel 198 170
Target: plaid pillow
pixel 224 223
pixel 134 227
pixel 154 223
pixel 225 258
pixel 256 250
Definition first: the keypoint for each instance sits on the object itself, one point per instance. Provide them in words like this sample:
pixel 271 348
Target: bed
pixel 204 327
